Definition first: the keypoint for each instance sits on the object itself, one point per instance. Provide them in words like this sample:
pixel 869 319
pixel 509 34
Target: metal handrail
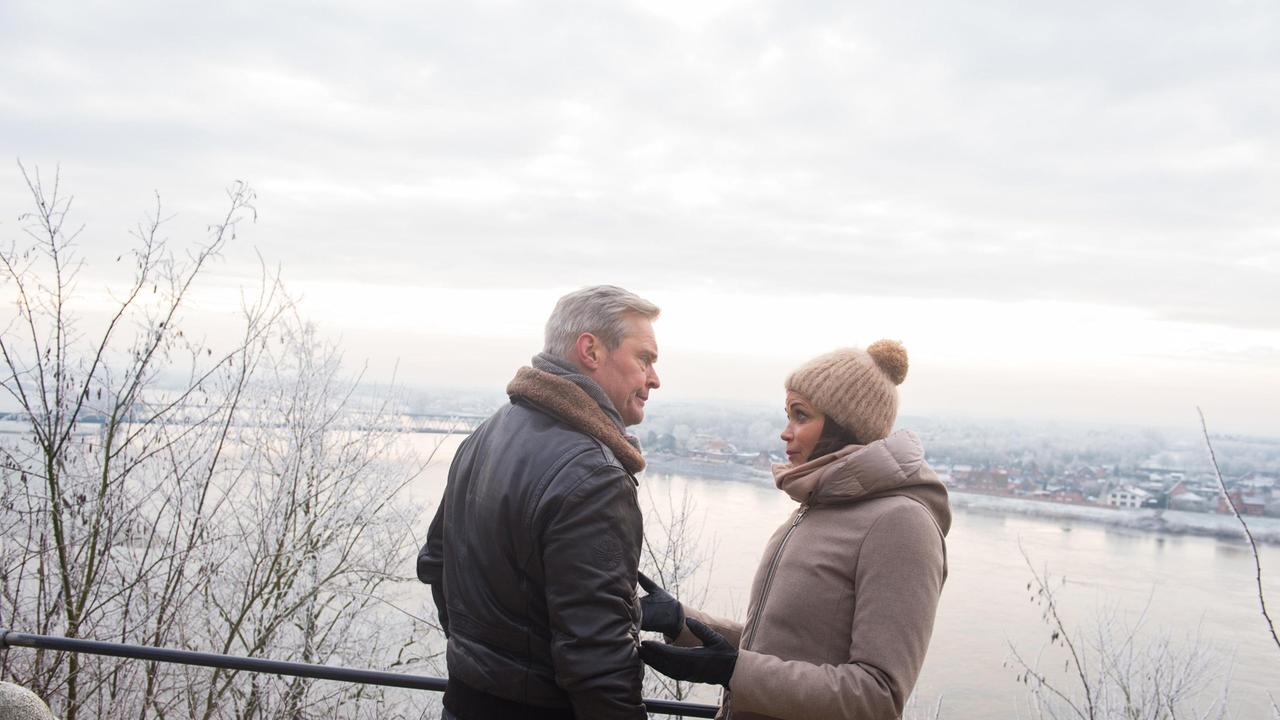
pixel 9 638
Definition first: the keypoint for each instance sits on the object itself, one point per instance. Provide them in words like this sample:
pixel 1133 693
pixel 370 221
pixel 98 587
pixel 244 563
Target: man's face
pixel 626 373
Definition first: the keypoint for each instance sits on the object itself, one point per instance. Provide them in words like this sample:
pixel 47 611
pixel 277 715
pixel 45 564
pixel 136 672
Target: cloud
pixel 1086 152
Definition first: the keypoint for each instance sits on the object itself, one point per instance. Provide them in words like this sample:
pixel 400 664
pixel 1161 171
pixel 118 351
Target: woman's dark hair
pixel 834 436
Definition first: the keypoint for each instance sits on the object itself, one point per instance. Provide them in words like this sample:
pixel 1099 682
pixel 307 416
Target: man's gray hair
pixel 602 310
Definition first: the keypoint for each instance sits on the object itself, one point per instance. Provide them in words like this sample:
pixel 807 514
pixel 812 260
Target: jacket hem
pixel 469 703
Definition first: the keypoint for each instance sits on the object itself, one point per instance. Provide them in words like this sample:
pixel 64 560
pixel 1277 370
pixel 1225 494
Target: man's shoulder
pixel 525 428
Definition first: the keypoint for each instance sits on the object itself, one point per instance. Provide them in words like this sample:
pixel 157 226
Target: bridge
pixel 439 423
pixel 443 423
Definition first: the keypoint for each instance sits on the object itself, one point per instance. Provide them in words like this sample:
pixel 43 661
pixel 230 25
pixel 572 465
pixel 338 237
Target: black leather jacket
pixel 536 544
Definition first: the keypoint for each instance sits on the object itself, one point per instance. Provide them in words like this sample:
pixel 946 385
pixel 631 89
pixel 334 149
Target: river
pixel 1186 590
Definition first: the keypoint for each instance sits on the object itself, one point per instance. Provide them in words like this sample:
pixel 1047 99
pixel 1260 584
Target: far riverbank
pixel 1169 522
pixel 680 465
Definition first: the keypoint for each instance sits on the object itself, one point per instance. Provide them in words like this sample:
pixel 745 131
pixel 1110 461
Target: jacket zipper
pixel 768 583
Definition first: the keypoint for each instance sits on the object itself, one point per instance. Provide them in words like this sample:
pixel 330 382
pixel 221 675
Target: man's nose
pixel 654 382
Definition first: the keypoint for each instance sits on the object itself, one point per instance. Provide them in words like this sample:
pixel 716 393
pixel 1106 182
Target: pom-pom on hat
pixel 857 388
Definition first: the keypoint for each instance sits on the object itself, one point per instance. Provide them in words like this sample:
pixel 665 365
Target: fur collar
pixel 576 408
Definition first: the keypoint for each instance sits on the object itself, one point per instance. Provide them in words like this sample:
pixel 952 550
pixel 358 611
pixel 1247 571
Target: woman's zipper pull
pixel 800 515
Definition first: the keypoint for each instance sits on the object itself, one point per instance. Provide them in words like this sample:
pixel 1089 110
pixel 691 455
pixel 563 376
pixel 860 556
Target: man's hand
pixel 711 663
pixel 659 612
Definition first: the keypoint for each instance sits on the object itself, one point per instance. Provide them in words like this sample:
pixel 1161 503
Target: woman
pixel 843 601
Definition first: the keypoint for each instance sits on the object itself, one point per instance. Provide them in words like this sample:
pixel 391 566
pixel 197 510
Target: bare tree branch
pixel 1253 545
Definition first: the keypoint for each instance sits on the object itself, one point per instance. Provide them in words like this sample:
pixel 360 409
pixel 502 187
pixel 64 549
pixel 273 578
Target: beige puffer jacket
pixel 843 602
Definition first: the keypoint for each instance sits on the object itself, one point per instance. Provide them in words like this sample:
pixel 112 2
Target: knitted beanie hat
pixel 858 388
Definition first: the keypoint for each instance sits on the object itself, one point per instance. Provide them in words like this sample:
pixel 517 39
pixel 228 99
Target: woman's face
pixel 804 426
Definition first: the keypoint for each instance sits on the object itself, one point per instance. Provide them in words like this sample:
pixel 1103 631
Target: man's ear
pixel 589 352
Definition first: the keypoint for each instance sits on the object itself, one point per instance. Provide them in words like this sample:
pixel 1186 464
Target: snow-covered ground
pixel 1174 522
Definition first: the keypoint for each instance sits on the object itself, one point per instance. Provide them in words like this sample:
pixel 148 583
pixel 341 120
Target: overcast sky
pixel 1062 209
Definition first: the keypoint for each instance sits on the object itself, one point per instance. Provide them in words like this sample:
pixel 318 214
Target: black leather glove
pixel 659 612
pixel 711 663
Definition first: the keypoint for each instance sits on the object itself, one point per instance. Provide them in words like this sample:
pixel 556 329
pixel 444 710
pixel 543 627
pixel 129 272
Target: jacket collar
pixel 563 368
pixel 892 466
pixel 559 394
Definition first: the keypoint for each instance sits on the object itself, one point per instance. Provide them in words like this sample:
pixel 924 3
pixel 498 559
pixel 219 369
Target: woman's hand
pixel 711 663
pixel 659 612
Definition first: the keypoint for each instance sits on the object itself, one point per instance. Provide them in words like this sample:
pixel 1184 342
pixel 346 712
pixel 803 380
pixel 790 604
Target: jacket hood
pixel 892 466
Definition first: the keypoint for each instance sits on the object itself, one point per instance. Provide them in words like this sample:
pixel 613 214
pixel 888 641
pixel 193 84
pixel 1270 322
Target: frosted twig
pixel 1253 545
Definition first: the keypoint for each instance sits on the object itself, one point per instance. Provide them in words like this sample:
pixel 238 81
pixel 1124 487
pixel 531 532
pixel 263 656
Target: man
pixel 533 553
